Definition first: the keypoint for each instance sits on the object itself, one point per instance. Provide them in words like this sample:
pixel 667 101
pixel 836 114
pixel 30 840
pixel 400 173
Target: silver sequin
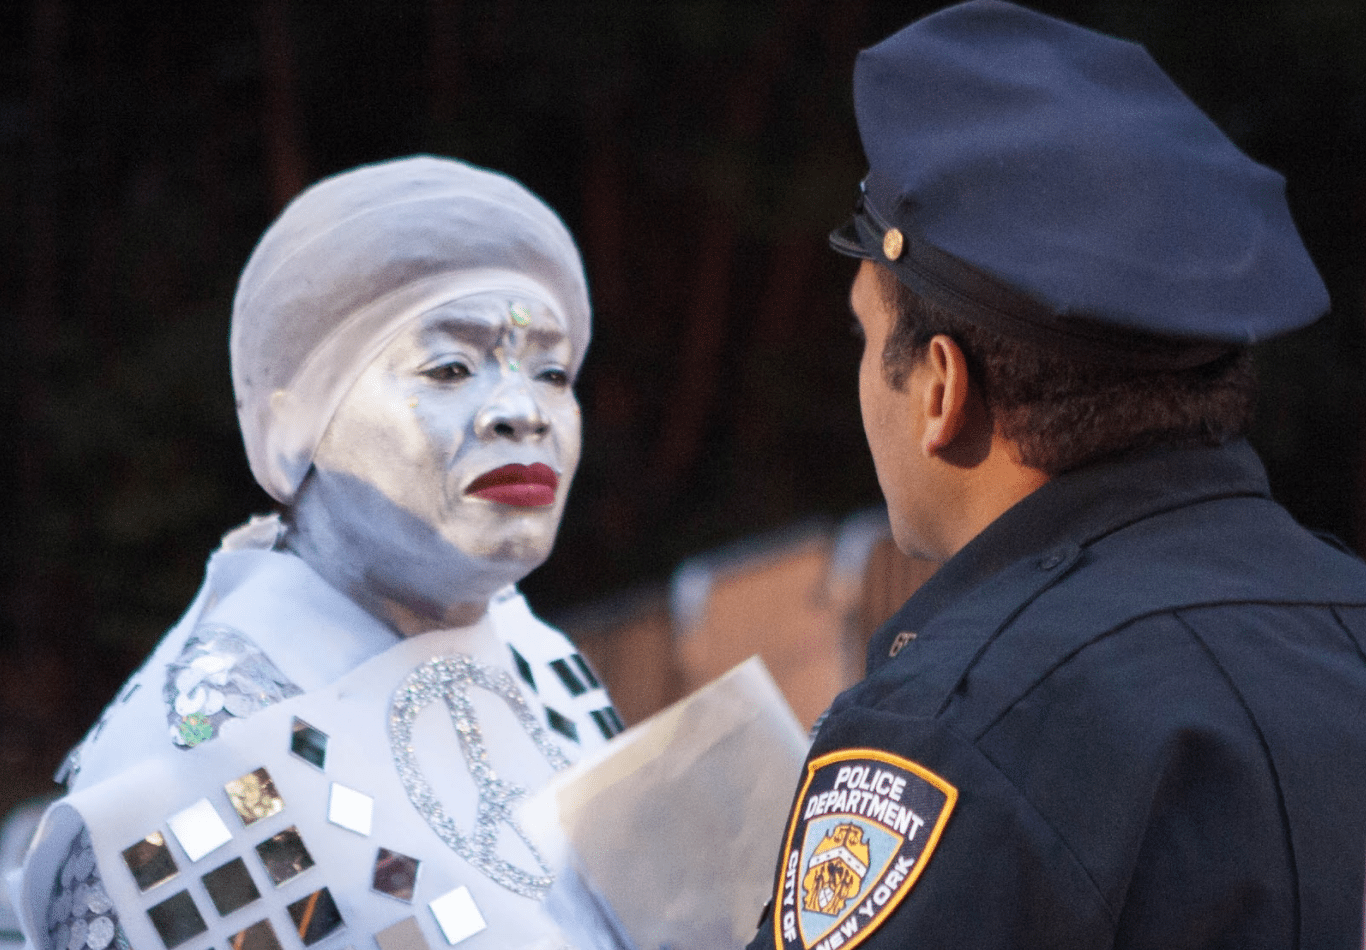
pixel 61 905
pixel 100 933
pixel 97 900
pixel 450 679
pixel 81 915
pixel 220 674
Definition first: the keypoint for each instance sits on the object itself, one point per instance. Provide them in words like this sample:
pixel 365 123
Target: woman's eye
pixel 448 372
pixel 555 377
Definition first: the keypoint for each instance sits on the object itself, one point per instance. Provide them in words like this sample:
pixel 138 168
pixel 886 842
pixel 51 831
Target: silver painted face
pixel 436 470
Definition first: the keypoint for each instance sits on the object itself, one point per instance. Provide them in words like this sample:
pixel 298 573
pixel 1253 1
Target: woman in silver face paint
pixel 328 749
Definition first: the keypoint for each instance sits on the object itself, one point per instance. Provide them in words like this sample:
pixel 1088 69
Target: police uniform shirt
pixel 1128 714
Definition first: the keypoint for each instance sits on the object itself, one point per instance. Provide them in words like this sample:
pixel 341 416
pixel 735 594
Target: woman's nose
pixel 511 413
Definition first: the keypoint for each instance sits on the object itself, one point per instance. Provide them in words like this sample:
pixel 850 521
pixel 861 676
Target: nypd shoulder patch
pixel 864 827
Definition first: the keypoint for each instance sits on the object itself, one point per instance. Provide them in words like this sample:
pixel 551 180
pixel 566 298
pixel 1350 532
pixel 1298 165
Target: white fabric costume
pixel 372 771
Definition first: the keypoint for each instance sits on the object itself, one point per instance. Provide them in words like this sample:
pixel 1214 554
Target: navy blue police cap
pixel 1051 183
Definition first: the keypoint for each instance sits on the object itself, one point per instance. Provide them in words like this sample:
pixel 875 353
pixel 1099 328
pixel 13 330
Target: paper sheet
pixel 668 837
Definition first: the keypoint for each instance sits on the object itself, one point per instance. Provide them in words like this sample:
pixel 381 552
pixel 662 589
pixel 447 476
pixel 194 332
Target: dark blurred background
pixel 699 150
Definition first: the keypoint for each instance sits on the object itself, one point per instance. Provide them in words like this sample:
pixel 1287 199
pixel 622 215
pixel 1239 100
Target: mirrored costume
pixel 286 771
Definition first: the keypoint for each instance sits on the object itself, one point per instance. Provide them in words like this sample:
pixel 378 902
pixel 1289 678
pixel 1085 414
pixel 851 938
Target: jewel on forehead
pixel 520 315
pixel 513 365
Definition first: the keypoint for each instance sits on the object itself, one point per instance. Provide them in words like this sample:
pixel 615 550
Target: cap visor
pixel 845 239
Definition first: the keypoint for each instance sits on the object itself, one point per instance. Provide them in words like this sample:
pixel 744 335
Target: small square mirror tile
pixel 609 723
pixel 350 809
pixel 523 668
pixel 457 915
pixel 308 744
pixel 315 917
pixel 177 920
pixel 568 677
pixel 199 829
pixel 585 671
pixel 404 935
pixel 395 874
pixel 562 724
pixel 259 936
pixel 284 856
pixel 150 861
pixel 254 797
pixel 230 887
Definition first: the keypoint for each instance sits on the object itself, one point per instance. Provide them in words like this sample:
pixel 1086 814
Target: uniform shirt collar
pixel 1073 510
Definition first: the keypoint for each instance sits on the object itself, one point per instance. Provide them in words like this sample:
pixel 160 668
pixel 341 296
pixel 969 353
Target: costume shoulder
pixel 262 628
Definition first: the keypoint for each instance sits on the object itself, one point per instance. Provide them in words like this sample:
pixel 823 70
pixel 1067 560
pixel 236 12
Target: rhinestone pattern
pixel 450 679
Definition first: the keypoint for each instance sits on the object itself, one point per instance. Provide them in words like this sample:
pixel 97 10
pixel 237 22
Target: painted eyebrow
pixel 546 334
pixel 470 329
pixel 484 333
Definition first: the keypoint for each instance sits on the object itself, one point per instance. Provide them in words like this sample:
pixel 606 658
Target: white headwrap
pixel 351 261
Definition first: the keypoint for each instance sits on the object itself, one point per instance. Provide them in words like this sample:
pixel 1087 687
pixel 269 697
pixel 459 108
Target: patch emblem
pixel 864 827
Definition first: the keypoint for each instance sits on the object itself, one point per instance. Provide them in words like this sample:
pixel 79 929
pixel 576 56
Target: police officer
pixel 1129 710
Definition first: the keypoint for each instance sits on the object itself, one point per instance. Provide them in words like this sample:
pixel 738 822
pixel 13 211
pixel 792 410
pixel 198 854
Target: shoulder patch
pixel 864 827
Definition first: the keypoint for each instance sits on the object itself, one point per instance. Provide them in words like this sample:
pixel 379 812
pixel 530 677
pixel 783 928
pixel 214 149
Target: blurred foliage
pixel 700 150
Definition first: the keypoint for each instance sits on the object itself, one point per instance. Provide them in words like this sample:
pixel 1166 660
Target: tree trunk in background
pixel 285 167
pixel 445 75
pixel 792 260
pixel 49 25
pixel 699 365
pixel 33 690
pixel 1358 539
pixel 604 224
pixel 790 264
pixel 41 304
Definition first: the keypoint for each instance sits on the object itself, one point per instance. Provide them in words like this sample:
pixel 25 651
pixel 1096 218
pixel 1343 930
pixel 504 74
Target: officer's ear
pixel 951 412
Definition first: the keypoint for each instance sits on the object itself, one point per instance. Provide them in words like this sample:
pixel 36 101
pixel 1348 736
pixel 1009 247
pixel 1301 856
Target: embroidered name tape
pixel 864 826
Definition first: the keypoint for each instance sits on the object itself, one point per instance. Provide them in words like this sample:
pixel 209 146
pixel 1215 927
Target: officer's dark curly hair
pixel 1063 413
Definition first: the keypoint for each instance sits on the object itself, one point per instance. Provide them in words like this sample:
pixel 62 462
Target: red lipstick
pixel 522 486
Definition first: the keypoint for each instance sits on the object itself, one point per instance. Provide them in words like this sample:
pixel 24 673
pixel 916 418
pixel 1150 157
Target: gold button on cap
pixel 893 242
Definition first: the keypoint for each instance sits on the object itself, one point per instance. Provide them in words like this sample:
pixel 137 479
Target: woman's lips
pixel 522 486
